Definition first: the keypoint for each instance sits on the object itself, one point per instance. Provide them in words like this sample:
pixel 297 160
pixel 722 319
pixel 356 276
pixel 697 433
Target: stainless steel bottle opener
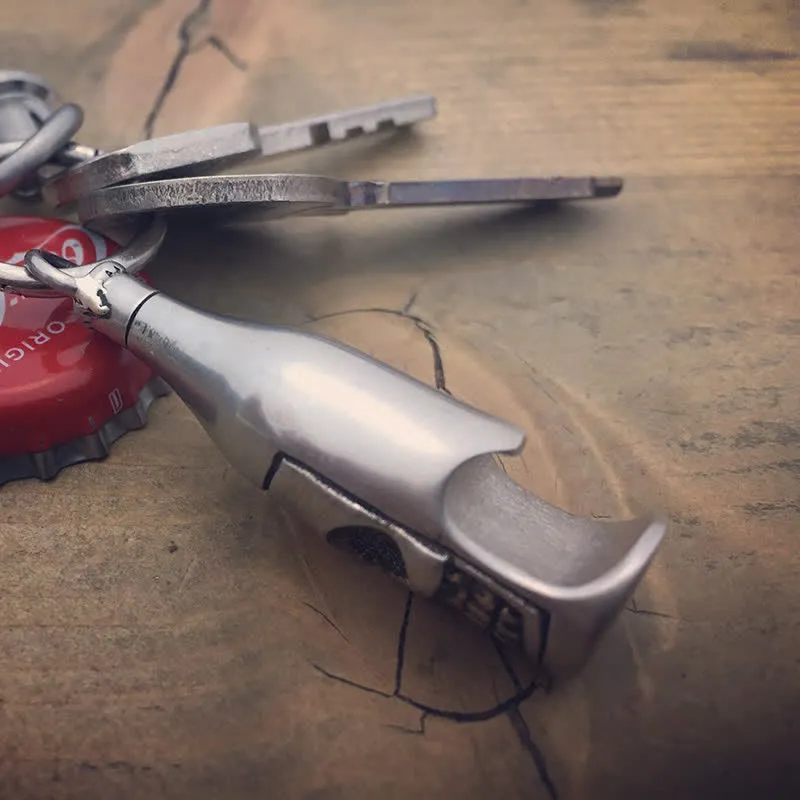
pixel 380 464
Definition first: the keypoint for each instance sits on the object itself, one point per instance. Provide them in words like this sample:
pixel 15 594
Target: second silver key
pixel 226 199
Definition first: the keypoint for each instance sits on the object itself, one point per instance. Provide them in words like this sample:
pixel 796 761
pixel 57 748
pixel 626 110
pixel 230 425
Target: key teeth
pixel 48 464
pixel 387 125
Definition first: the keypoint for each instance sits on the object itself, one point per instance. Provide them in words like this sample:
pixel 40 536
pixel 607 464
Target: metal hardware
pixel 144 242
pixel 254 198
pixel 56 132
pixel 85 289
pixel 213 149
pixel 169 174
pixel 70 155
pixel 378 463
pixel 26 101
pixel 32 130
pixel 352 443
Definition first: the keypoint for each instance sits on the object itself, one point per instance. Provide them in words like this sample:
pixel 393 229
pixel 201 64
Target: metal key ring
pixel 141 248
pixel 56 132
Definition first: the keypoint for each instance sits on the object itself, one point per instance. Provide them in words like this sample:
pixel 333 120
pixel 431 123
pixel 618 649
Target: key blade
pixel 234 199
pixel 343 125
pixel 379 194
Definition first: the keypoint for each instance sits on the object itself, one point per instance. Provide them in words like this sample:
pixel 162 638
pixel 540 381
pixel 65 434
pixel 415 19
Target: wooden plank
pixel 165 630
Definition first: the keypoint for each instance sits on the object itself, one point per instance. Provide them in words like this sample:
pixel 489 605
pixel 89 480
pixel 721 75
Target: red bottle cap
pixel 66 392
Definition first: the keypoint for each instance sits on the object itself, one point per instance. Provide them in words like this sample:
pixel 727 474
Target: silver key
pixel 247 198
pixel 211 149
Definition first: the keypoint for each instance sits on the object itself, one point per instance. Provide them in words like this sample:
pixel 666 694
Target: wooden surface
pixel 165 630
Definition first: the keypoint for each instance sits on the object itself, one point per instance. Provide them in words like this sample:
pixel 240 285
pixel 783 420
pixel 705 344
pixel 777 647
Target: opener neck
pixel 125 295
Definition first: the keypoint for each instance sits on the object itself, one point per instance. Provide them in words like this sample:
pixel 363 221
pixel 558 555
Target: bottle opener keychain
pixel 376 461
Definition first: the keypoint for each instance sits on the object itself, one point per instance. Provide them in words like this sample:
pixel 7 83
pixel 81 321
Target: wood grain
pixel 165 630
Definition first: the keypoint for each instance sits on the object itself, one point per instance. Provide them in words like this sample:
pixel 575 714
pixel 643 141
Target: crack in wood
pixel 326 618
pixel 634 609
pixel 523 731
pixel 422 325
pixel 186 47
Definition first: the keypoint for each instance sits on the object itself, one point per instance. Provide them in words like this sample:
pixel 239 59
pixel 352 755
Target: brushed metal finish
pixel 415 463
pixel 327 508
pixel 221 199
pixel 260 392
pixel 255 198
pixel 428 569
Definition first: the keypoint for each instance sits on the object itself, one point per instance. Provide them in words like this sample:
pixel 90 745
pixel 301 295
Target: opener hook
pixel 86 290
